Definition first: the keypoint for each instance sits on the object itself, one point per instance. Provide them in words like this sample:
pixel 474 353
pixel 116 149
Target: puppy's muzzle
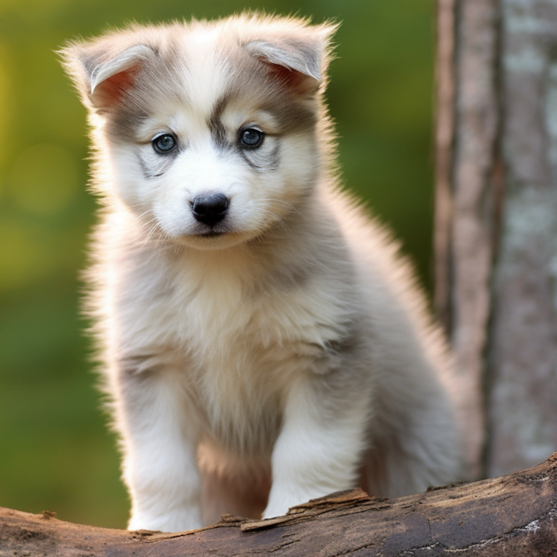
pixel 210 209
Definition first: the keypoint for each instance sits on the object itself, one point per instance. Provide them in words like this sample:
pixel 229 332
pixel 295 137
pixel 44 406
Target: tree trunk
pixel 496 229
pixel 509 516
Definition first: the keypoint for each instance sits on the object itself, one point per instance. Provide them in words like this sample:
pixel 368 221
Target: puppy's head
pixel 208 131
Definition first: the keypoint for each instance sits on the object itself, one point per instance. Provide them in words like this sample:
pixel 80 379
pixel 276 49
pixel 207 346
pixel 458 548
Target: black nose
pixel 210 209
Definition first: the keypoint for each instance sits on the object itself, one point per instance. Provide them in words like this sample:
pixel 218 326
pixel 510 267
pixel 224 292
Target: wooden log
pixel 514 515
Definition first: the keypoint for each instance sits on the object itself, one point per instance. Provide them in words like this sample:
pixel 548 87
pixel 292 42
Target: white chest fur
pixel 238 341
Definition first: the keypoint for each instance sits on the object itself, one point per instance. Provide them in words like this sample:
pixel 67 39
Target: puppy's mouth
pixel 217 237
pixel 210 234
pixel 211 230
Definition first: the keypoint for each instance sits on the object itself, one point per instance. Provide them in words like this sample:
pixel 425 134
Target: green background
pixel 55 451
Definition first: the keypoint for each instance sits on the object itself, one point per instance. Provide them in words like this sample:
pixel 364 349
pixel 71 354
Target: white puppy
pixel 263 343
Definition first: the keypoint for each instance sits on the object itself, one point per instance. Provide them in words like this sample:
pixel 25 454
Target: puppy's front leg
pixel 319 448
pixel 160 444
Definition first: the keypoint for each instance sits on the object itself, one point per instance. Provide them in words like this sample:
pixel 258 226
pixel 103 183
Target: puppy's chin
pixel 215 240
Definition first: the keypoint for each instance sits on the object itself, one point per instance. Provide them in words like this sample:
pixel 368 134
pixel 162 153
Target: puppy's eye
pixel 251 138
pixel 164 143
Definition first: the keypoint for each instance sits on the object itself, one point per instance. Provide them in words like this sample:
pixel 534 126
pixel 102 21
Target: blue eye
pixel 164 143
pixel 251 138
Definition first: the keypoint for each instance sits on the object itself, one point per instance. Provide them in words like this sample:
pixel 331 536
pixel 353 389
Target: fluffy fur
pixel 283 352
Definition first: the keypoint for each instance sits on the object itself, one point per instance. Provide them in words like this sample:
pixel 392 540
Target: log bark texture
pixel 496 229
pixel 510 516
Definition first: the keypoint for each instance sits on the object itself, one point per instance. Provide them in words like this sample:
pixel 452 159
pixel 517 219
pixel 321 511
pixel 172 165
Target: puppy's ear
pixel 299 58
pixel 104 70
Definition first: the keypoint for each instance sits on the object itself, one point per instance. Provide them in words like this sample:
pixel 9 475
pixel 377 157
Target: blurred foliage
pixel 55 451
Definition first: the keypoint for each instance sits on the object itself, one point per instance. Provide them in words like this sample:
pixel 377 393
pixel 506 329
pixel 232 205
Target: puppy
pixel 263 343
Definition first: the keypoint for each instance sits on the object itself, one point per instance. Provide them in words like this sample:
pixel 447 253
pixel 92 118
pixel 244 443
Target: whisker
pixel 289 205
pixel 276 218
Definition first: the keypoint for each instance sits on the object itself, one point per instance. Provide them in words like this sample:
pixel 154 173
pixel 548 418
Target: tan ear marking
pixel 299 58
pixel 127 60
pixel 102 71
pixel 303 58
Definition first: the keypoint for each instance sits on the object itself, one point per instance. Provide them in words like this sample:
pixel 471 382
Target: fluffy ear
pixel 104 70
pixel 304 54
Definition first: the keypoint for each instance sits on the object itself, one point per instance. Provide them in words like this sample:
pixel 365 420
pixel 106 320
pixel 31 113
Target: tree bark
pixel 514 515
pixel 496 229
pixel 466 138
pixel 523 340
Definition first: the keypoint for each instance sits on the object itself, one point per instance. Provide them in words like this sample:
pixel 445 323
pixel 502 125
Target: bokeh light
pixel 44 179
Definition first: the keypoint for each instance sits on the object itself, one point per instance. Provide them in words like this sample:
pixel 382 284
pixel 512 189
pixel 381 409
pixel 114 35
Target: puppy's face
pixel 209 130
